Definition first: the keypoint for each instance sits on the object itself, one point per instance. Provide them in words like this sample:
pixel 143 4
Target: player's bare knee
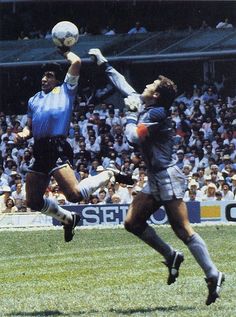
pixel 135 228
pixel 74 196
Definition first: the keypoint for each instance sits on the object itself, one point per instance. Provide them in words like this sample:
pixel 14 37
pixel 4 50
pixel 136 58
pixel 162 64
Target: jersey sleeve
pixel 71 81
pixel 29 109
pixel 131 128
pixel 119 81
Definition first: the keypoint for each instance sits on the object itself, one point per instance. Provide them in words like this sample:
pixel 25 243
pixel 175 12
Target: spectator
pixel 10 206
pixel 19 197
pixel 23 36
pixel 208 156
pixel 93 147
pixel 209 94
pixel 26 162
pixel 103 111
pixel 9 166
pixel 130 195
pixel 204 26
pixel 220 183
pixel 9 134
pixel 116 199
pixel 210 193
pixel 14 179
pixel 225 161
pixel 200 179
pixel 193 186
pixel 233 184
pixel 119 145
pixel 112 120
pixel 137 29
pixel 227 194
pixel 232 151
pixel 127 166
pixel 83 121
pixel 61 200
pixel 192 196
pixel 5 192
pixel 102 196
pixel 111 192
pixel 219 84
pixel 207 181
pixel 218 195
pixel 93 200
pixel 110 31
pixel 187 168
pixel 224 24
pixel 75 142
pixel 111 159
pixel 3 178
pixel 122 191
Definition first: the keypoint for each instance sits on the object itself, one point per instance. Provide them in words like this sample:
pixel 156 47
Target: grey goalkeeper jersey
pixel 157 148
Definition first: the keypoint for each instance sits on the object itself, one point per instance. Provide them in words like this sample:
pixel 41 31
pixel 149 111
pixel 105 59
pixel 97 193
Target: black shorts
pixel 50 154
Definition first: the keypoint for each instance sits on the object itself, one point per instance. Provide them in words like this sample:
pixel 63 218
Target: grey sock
pixel 150 237
pixel 199 250
pixel 90 184
pixel 51 208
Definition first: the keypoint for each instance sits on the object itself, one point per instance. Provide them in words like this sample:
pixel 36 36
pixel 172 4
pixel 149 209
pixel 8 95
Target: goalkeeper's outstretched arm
pixel 117 79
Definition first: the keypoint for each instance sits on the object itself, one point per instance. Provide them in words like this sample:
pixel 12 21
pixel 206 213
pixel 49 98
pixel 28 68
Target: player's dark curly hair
pixel 167 90
pixel 53 67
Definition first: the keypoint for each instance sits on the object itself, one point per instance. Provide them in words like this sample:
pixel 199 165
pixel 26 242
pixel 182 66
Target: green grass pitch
pixel 109 272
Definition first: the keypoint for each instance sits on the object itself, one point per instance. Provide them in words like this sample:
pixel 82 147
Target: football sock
pixel 199 250
pixel 51 208
pixel 150 237
pixel 89 185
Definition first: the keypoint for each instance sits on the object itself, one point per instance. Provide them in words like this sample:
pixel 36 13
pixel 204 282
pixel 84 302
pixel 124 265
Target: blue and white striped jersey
pixel 51 113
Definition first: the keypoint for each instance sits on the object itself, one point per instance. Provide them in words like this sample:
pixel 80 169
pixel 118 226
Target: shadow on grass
pixel 54 313
pixel 154 309
pixel 57 313
pixel 39 313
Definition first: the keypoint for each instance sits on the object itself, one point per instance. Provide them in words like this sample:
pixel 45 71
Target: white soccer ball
pixel 65 33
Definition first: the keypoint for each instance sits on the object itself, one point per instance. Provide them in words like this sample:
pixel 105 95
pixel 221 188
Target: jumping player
pixel 149 127
pixel 49 114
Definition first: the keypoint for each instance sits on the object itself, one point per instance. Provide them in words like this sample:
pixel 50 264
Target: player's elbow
pixel 77 61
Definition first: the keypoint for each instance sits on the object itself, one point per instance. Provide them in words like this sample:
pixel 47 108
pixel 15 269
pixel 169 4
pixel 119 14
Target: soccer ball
pixel 65 33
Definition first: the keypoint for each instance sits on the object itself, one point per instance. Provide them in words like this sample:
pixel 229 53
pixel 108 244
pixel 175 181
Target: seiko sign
pixel 230 212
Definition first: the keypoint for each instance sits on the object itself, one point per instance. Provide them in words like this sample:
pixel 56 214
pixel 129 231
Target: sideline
pixel 119 226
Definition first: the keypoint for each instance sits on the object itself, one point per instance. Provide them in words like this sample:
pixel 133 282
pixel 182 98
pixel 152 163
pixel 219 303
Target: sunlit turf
pixel 109 272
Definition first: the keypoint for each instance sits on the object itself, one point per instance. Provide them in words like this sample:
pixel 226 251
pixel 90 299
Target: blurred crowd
pixel 204 122
pixel 137 28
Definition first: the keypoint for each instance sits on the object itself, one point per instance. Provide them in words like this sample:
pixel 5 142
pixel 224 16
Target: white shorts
pixel 166 185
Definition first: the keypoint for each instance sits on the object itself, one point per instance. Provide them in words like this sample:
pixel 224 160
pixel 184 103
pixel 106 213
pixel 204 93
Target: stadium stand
pixel 222 154
pixel 149 46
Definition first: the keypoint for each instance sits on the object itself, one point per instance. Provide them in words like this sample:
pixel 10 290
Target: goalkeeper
pixel 149 126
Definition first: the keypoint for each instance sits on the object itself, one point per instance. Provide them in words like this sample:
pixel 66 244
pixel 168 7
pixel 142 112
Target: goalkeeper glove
pixel 96 54
pixel 132 103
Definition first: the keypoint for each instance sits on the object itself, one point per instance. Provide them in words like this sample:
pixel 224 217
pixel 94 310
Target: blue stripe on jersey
pixel 131 120
pixel 157 114
pixel 51 113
